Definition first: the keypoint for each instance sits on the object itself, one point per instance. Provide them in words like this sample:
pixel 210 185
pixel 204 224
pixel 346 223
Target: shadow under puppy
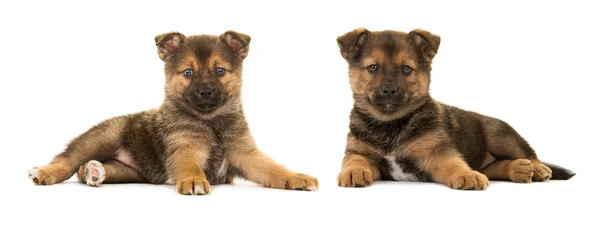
pixel 198 137
pixel 398 132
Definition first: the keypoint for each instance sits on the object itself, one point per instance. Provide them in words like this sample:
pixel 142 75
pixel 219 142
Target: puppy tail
pixel 559 173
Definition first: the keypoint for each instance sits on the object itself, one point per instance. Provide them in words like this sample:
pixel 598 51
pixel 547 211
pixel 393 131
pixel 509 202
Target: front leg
pixel 437 156
pixel 261 169
pixel 357 171
pixel 450 169
pixel 185 163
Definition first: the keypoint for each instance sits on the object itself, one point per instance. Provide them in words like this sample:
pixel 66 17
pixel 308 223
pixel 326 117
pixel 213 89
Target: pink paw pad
pixel 94 173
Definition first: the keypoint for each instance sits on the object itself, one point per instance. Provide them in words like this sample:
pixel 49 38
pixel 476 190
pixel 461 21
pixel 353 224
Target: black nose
pixel 206 92
pixel 388 91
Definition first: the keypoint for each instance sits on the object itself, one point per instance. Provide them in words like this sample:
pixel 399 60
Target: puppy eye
pixel 373 68
pixel 220 71
pixel 188 73
pixel 406 69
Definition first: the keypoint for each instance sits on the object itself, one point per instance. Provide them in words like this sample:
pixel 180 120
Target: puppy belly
pixel 489 158
pixel 124 156
pixel 397 171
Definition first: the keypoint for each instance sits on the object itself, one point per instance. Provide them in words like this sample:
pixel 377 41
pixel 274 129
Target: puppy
pixel 398 132
pixel 197 138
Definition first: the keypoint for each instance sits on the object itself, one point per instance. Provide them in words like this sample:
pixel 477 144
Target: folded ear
pixel 426 42
pixel 238 42
pixel 352 42
pixel 168 44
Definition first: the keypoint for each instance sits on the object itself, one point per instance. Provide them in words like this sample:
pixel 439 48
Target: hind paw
pixel 541 172
pixel 94 173
pixel 521 171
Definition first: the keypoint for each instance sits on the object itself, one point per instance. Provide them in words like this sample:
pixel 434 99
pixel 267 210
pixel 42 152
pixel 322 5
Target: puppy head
pixel 203 72
pixel 389 70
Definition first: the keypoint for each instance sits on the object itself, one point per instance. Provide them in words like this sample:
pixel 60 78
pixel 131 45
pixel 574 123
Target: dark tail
pixel 559 173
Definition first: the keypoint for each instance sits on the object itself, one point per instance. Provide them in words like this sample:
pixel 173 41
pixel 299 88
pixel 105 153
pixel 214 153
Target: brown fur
pixel 398 132
pixel 116 172
pixel 197 138
pixel 519 170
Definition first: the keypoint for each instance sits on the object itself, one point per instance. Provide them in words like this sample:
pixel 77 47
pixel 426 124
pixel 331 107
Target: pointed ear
pixel 352 42
pixel 426 42
pixel 238 42
pixel 168 44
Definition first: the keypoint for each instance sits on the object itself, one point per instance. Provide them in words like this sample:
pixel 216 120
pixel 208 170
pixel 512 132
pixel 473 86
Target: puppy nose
pixel 388 91
pixel 206 92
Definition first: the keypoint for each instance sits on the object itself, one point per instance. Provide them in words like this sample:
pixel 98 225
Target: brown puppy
pixel 398 132
pixel 198 137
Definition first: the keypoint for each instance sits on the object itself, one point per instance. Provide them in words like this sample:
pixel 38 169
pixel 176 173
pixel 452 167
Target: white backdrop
pixel 67 65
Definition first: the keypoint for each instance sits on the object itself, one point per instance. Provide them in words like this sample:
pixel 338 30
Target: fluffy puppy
pixel 398 132
pixel 197 138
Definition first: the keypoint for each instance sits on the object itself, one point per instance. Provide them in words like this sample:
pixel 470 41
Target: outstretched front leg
pixel 444 163
pixel 98 143
pixel 450 169
pixel 261 169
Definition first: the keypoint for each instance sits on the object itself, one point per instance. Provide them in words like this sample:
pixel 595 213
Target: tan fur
pixel 541 172
pixel 177 84
pixel 357 171
pixel 444 166
pixel 452 170
pixel 518 171
pixel 362 148
pixel 262 169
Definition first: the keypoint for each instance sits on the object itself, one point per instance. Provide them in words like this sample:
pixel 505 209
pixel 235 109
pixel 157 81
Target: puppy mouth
pixel 387 107
pixel 205 108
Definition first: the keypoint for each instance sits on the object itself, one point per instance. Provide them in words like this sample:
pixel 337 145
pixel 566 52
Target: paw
pixel 541 172
pixel 193 186
pixel 521 171
pixel 469 180
pixel 40 176
pixel 94 173
pixel 355 177
pixel 302 182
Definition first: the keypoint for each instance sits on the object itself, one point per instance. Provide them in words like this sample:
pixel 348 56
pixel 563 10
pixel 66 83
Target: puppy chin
pixel 380 113
pixel 228 106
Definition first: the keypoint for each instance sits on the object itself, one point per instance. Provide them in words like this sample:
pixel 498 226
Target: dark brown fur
pixel 190 141
pixel 396 125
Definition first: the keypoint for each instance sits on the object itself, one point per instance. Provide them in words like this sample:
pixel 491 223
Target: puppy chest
pixel 400 169
pixel 216 167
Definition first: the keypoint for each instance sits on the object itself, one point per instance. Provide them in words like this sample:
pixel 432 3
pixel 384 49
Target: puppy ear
pixel 238 42
pixel 426 42
pixel 352 42
pixel 168 44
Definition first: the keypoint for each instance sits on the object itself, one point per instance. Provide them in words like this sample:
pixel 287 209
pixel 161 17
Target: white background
pixel 65 66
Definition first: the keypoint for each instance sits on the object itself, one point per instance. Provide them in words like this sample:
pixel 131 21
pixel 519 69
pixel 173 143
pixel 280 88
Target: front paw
pixel 355 177
pixel 302 182
pixel 193 186
pixel 468 180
